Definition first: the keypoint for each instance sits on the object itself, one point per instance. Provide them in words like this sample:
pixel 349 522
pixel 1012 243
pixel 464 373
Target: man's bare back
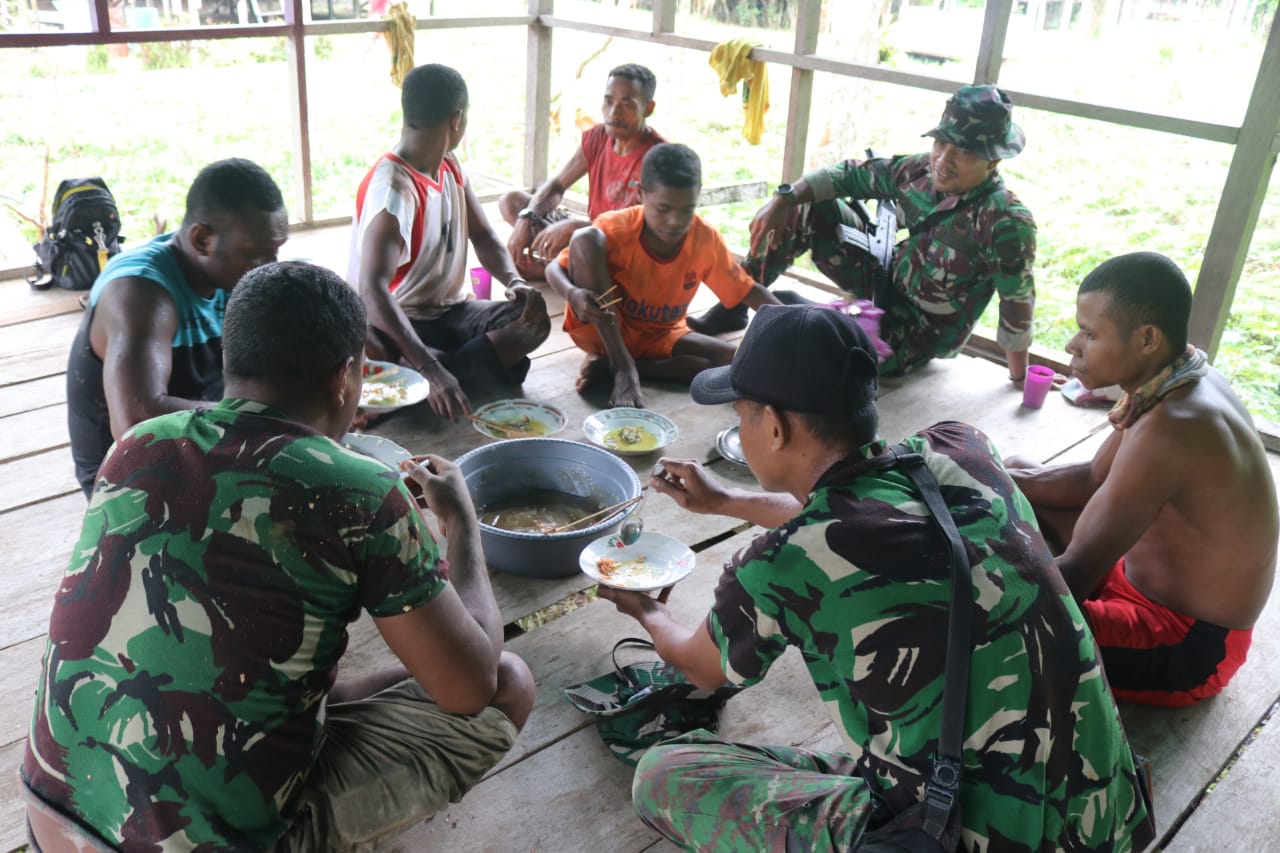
pixel 1210 551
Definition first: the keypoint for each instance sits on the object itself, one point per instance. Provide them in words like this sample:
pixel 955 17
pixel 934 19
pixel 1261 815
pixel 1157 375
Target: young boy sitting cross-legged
pixel 628 280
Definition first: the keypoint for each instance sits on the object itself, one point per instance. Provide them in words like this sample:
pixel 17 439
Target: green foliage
pixel 96 59
pixel 158 55
pixel 323 47
pixel 269 50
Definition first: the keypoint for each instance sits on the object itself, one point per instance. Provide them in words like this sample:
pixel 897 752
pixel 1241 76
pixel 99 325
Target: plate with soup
pixel 384 450
pixel 388 386
pixel 524 418
pixel 629 432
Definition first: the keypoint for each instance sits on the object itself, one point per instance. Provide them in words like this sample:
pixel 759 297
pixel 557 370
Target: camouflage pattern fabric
pixel 198 627
pixel 859 582
pixel 943 278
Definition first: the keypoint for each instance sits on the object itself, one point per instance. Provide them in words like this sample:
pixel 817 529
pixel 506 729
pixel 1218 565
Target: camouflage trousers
pixel 704 793
pixel 916 337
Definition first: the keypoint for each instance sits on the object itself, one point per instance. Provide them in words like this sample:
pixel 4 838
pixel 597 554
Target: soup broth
pixel 537 511
pixel 630 438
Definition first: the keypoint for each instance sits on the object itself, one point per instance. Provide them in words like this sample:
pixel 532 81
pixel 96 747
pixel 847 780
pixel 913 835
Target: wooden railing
pixel 1256 140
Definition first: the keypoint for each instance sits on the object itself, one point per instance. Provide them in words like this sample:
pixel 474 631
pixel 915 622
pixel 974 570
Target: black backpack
pixel 84 232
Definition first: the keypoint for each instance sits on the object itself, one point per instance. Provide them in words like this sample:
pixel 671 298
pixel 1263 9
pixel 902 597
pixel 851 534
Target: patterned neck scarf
pixel 1186 368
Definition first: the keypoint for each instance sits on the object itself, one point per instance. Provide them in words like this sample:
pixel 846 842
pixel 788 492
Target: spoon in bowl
pixel 634 526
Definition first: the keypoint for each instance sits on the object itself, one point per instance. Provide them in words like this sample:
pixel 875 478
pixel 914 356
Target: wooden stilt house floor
pixel 1217 766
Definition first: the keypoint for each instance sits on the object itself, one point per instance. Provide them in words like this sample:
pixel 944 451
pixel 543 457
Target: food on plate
pixel 524 424
pixel 384 393
pixel 626 572
pixel 630 438
pixel 537 511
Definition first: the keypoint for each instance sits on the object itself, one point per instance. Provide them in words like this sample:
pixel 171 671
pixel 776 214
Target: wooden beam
pixel 799 106
pixel 995 28
pixel 664 16
pixel 1242 198
pixel 537 99
pixel 729 193
pixel 300 129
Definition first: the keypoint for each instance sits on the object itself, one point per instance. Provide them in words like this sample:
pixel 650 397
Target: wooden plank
pixel 41 304
pixel 995 29
pixel 35 431
pixel 35 547
pixel 537 95
pixel 13 815
pixel 36 478
pixel 27 396
pixel 800 103
pixel 1235 808
pixel 1243 194
pixel 19 672
pixel 36 349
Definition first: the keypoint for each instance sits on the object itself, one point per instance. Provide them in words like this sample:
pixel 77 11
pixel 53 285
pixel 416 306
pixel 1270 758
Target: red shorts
pixel 1154 656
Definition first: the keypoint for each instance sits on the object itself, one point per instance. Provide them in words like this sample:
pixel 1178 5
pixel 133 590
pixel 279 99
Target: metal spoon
pixel 634 526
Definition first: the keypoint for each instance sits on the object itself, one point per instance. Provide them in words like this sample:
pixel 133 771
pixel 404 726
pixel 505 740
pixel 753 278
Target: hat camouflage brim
pixel 979 120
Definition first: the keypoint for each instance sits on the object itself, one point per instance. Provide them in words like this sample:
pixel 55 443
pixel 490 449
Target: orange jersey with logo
pixel 656 292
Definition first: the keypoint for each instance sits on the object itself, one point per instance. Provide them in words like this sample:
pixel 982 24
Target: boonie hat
pixel 979 120
pixel 800 358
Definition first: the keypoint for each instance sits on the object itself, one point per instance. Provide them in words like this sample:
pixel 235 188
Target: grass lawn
pixel 148 121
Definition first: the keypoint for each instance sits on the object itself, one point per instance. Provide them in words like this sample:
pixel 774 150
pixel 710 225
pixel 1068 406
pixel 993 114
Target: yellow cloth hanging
pixel 400 40
pixel 731 63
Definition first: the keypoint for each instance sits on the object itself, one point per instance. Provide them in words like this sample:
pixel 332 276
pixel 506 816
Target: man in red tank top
pixel 610 157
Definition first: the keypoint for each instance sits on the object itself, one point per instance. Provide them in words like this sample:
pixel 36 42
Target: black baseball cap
pixel 800 358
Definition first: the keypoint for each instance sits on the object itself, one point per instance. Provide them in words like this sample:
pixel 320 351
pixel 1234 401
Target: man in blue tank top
pixel 151 339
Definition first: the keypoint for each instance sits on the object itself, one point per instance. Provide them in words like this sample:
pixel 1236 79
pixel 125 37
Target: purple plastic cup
pixel 481 283
pixel 1036 386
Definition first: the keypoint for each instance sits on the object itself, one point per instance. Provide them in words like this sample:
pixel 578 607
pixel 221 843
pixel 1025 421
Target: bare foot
pixel 594 370
pixel 626 390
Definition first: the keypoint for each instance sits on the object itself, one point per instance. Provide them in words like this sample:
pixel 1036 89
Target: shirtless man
pixel 1169 535
pixel 610 155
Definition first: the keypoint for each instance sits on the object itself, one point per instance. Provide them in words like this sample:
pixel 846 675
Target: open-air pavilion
pixel 1215 764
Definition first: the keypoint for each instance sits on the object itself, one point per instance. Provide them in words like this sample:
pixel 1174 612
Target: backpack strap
pixel 944 783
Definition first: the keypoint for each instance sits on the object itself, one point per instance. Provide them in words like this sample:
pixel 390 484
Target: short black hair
pixel 228 187
pixel 431 94
pixel 670 164
pixel 640 74
pixel 1145 287
pixel 291 324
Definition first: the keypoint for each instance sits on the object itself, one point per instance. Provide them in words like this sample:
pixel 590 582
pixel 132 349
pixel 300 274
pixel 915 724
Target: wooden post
pixel 995 29
pixel 664 16
pixel 537 98
pixel 808 14
pixel 295 40
pixel 99 19
pixel 1242 197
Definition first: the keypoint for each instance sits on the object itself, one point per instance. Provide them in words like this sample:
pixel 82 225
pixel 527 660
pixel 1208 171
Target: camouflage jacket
pixel 197 630
pixel 859 581
pixel 951 270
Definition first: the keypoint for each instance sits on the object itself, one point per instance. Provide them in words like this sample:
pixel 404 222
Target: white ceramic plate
pixel 384 450
pixel 729 443
pixel 388 387
pixel 605 429
pixel 654 561
pixel 543 419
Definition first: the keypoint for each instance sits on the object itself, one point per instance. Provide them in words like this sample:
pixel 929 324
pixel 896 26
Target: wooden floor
pixel 560 789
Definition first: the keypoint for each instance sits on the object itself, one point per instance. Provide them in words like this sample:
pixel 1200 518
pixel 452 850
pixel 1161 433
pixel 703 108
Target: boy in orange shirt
pixel 628 280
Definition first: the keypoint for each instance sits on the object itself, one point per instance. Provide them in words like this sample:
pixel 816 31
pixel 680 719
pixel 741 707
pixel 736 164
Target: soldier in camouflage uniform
pixel 188 697
pixel 855 575
pixel 944 275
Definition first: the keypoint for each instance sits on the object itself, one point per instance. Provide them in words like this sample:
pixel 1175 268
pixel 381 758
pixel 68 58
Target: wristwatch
pixel 785 190
pixel 529 214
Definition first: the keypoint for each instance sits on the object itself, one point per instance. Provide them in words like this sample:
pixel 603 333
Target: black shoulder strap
pixel 944 784
pixel 938 215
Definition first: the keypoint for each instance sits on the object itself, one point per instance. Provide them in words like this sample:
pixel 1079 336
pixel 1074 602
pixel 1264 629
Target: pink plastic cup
pixel 1036 386
pixel 481 283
